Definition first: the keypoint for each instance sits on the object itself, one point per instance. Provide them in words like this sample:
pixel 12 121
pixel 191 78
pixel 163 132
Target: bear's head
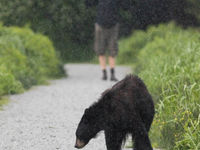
pixel 88 127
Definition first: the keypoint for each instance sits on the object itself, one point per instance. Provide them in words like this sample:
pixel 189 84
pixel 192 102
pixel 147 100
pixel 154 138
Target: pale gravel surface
pixel 46 117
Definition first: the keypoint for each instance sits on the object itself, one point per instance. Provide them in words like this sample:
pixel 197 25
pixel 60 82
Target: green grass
pixel 169 63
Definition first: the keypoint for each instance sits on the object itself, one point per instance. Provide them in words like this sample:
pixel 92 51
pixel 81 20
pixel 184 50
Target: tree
pixel 71 25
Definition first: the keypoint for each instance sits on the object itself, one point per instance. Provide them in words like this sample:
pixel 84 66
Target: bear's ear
pixel 89 113
pixel 86 111
pixel 106 94
pixel 86 115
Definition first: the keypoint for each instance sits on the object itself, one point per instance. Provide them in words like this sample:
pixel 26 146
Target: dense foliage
pixel 26 59
pixel 71 25
pixel 167 58
pixel 67 23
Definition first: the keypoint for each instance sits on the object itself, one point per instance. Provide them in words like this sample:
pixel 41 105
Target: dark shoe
pixel 104 75
pixel 113 78
pixel 104 78
pixel 112 72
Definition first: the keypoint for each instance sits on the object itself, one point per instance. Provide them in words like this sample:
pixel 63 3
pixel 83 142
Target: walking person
pixel 106 31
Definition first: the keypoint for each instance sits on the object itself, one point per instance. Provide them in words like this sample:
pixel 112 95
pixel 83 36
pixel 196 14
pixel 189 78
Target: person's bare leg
pixel 111 62
pixel 112 68
pixel 102 62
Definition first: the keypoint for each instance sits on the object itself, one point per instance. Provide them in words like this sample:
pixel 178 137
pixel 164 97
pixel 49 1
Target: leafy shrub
pixel 169 63
pixel 129 48
pixel 9 85
pixel 27 58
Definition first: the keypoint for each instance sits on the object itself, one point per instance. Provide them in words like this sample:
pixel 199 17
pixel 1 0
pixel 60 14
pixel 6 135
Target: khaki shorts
pixel 106 39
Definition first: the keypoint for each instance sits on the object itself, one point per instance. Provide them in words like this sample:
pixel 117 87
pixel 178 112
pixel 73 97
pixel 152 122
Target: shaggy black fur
pixel 126 108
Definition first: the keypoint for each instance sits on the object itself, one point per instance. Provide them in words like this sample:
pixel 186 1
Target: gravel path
pixel 46 117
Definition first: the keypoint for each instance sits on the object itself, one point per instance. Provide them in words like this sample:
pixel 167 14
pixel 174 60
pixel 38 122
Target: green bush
pixel 9 85
pixel 169 63
pixel 27 59
pixel 129 48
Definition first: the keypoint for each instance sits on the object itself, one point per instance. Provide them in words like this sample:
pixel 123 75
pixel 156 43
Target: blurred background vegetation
pixel 158 38
pixel 70 25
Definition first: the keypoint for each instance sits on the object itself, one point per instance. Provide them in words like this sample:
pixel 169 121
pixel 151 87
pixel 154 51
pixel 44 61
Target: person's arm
pixel 90 3
pixel 125 4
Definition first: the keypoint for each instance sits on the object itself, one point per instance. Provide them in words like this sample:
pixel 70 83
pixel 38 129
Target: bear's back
pixel 130 94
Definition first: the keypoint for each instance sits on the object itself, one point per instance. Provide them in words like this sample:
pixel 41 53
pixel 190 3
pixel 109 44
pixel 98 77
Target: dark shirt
pixel 108 10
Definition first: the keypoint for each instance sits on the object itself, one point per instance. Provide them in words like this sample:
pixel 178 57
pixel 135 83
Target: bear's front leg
pixel 141 138
pixel 114 139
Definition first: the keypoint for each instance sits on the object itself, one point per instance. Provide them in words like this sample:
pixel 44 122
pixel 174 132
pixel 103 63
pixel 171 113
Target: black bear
pixel 126 108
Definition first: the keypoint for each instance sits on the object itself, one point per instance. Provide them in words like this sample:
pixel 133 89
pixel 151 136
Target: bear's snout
pixel 79 144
